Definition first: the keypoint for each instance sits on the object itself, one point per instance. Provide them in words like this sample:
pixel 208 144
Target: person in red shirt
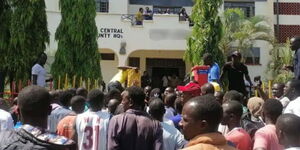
pixel 232 112
pixel 66 127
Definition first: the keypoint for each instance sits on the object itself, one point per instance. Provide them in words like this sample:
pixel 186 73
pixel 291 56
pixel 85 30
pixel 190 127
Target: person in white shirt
pixel 92 125
pixel 294 94
pixel 6 121
pixel 287 130
pixel 172 138
pixel 38 71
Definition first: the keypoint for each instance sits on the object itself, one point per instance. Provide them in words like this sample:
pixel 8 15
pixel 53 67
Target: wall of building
pixel 163 37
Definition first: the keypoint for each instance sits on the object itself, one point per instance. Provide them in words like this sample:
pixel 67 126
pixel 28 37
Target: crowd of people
pixel 147 14
pixel 188 117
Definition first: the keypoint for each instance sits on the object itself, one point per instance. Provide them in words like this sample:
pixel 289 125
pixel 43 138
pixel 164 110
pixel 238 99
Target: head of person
pixel 72 91
pixel 295 43
pixel 42 59
pixel 65 98
pixel 114 94
pixel 157 109
pixel 112 105
pixel 147 8
pixel 178 105
pixel 145 73
pixel 219 96
pixel 3 105
pixel 233 95
pixel 169 90
pixel 208 59
pixel 272 109
pixel 255 105
pixel 170 99
pixel 232 113
pixel 200 115
pixel 55 96
pixel 236 57
pixel 207 88
pixel 147 91
pixel 287 130
pixel 155 93
pixel 293 89
pixel 133 98
pixel 141 10
pixel 277 90
pixel 287 87
pixel 77 104
pixel 34 106
pixel 82 92
pixel 115 85
pixel 95 99
pixel 189 91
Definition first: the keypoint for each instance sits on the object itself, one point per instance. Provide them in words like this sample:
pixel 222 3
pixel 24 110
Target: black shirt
pixel 236 76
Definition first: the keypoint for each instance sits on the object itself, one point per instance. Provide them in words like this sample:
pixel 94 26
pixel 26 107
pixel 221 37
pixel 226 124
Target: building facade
pixel 158 45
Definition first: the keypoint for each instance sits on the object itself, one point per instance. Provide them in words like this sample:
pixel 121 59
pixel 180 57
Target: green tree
pixel 77 53
pixel 242 32
pixel 29 36
pixel 5 16
pixel 207 32
pixel 281 56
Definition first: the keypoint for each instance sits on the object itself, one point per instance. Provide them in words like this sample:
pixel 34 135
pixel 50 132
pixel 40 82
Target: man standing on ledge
pixel 38 71
pixel 214 69
pixel 236 71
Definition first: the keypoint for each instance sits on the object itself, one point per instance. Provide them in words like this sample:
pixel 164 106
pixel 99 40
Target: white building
pixel 159 44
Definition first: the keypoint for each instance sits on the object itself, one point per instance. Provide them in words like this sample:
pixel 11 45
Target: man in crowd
pixel 207 88
pixel 134 129
pixel 66 126
pixel 265 138
pixel 201 117
pixel 236 71
pixel 172 138
pixel 287 129
pixel 34 107
pixel 189 91
pixel 295 46
pixel 294 94
pixel 232 113
pixel 60 109
pixel 6 120
pixel 145 79
pixel 214 69
pixel 92 126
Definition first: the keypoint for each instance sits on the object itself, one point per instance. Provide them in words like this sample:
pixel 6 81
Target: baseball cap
pixel 236 53
pixel 192 88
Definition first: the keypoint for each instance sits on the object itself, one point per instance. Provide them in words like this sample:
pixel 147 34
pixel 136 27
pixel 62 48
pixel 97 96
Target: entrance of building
pixel 168 67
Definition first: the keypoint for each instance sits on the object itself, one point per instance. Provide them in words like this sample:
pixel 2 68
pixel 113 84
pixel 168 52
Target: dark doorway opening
pixel 158 73
pixel 158 67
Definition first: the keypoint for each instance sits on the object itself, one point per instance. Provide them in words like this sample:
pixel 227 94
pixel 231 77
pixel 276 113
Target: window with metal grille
pixel 102 6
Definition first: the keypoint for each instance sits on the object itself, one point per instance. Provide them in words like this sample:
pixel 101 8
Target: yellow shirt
pixel 121 76
pixel 134 78
pixel 139 16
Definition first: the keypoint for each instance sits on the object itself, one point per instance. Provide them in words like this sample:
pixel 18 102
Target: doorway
pixel 160 67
